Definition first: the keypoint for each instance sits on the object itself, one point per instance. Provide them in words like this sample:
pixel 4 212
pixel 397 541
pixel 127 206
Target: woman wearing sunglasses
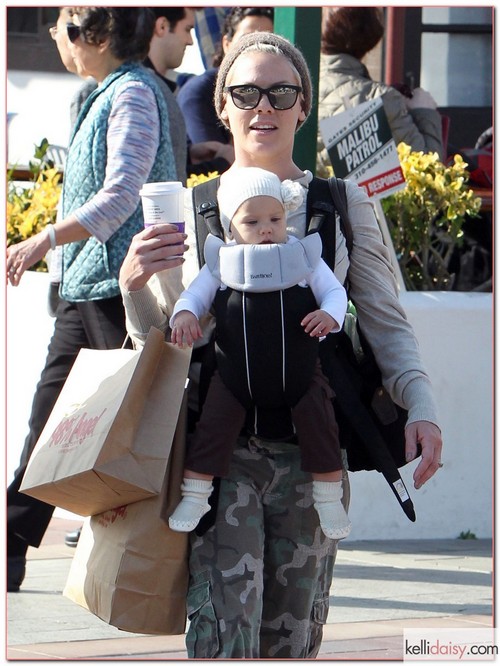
pixel 120 140
pixel 195 96
pixel 261 572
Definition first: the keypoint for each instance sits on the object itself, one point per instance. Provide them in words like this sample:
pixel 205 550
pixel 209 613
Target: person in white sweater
pixel 261 573
pixel 258 283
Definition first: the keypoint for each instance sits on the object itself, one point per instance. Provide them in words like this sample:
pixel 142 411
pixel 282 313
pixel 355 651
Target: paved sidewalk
pixel 380 588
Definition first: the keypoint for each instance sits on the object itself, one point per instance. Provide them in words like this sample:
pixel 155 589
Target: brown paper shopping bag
pixel 129 568
pixel 107 440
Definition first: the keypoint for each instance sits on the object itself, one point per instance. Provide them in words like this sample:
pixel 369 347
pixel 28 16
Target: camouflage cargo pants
pixel 261 576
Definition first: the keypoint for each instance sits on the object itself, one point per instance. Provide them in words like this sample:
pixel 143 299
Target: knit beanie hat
pixel 266 42
pixel 239 184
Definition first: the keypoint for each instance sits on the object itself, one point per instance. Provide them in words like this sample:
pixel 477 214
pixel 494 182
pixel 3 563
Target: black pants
pixel 93 325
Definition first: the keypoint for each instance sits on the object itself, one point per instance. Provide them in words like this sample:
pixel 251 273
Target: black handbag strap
pixel 347 396
pixel 339 195
pixel 325 198
pixel 348 400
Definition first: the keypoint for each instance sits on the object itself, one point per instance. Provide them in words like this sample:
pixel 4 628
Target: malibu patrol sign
pixel 361 148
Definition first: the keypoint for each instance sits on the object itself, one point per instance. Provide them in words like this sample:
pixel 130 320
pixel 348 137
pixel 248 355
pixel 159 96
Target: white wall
pixel 41 104
pixel 455 335
pixel 456 342
pixel 28 330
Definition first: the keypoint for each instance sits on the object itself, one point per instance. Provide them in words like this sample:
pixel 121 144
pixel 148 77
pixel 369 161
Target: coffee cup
pixel 163 203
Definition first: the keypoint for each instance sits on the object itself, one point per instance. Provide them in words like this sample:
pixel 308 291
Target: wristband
pixel 51 232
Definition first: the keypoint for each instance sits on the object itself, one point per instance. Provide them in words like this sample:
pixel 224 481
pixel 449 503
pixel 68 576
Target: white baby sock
pixel 332 515
pixel 194 505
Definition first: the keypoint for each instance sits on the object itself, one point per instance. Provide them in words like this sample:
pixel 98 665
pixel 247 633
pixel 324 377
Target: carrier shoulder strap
pixel 323 199
pixel 206 212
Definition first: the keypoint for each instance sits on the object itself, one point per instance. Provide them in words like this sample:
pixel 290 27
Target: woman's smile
pixel 262 127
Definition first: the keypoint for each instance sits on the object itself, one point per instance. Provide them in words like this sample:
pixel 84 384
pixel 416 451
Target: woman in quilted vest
pixel 260 566
pixel 120 140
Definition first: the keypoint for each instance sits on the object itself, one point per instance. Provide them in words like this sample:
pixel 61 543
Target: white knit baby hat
pixel 240 184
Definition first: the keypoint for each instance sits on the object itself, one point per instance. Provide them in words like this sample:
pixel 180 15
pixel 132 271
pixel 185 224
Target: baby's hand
pixel 318 323
pixel 186 329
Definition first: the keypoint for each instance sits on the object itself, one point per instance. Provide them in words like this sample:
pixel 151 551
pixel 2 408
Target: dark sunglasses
pixel 281 96
pixel 74 31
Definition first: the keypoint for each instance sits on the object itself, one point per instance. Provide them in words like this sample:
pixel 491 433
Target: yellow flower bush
pixel 196 179
pixel 32 206
pixel 426 217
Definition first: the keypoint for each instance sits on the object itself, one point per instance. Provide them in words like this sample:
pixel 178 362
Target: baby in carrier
pixel 274 299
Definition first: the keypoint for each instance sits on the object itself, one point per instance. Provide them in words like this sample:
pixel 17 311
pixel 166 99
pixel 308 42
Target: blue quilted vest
pixel 90 268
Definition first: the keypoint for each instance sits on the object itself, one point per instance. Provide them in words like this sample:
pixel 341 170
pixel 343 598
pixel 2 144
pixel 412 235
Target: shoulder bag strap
pixel 339 195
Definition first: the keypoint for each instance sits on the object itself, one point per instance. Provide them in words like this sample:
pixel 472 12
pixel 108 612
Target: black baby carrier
pixel 371 425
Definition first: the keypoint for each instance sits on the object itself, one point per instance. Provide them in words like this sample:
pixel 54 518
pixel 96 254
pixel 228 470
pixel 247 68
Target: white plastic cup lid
pixel 167 187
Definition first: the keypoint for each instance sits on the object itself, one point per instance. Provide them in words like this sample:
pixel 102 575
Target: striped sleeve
pixel 133 136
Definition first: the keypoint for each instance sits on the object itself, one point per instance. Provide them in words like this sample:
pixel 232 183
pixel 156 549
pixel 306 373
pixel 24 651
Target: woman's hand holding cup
pixel 156 248
pixel 161 245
